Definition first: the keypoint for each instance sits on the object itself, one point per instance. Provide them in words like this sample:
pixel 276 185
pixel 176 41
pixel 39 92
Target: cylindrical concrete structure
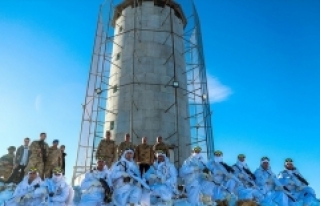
pixel 147 93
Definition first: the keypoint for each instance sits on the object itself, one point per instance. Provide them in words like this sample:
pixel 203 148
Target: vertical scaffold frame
pixel 96 104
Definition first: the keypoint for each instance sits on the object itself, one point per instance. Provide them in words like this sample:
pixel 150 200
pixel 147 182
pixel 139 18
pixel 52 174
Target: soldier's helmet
pixel 288 160
pixel 99 159
pixel 12 148
pixel 57 170
pixel 33 170
pixel 197 149
pixel 241 156
pixel 159 153
pixel 218 153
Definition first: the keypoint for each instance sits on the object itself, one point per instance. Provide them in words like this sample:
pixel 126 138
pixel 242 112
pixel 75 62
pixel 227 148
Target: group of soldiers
pixel 38 154
pixel 144 175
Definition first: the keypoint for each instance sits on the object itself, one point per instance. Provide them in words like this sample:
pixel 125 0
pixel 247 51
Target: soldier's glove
pixel 36 186
pixel 51 194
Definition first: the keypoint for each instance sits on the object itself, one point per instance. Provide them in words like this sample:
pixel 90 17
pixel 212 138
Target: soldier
pixel 144 156
pixel 269 185
pixel 21 161
pixel 161 146
pixel 107 149
pixel 296 185
pixel 39 153
pixel 54 159
pixel 126 144
pixel 63 161
pixel 7 162
pixel 193 171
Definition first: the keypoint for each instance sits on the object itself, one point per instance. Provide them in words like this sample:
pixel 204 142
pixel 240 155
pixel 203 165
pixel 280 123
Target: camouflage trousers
pixel 37 163
pixel 109 161
pixel 48 170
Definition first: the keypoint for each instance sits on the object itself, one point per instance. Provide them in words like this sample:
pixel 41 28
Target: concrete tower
pixel 148 83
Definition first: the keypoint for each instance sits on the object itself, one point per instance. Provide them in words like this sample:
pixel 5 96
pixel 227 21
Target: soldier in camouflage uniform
pixel 160 145
pixel 107 149
pixel 54 159
pixel 144 156
pixel 126 144
pixel 7 163
pixel 39 153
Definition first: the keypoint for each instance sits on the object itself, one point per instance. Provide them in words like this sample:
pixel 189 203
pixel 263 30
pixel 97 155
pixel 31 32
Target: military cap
pixel 12 148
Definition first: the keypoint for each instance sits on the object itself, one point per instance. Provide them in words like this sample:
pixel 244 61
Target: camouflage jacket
pixel 7 160
pixel 161 146
pixel 107 149
pixel 38 153
pixel 144 154
pixel 54 157
pixel 123 146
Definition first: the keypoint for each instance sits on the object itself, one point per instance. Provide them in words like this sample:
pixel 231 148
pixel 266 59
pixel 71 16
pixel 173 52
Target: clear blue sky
pixel 263 59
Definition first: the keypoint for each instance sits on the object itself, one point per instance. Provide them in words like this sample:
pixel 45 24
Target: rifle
pixel 301 179
pixel 249 173
pixel 248 177
pixel 21 197
pixel 286 190
pixel 107 190
pixel 135 176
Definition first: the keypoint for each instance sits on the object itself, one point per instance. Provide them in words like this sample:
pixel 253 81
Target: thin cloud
pixel 217 91
pixel 37 103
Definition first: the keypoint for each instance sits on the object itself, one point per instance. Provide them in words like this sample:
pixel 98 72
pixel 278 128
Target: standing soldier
pixel 126 144
pixel 39 153
pixel 54 159
pixel 107 149
pixel 144 156
pixel 6 163
pixel 160 145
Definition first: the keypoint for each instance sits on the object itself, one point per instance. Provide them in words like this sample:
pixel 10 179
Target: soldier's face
pixel 108 135
pixel 43 136
pixel 101 163
pixel 289 166
pixel 159 139
pixel 127 138
pixel 241 159
pixel 11 151
pixel 160 158
pixel 265 165
pixel 144 140
pixel 129 155
pixel 32 176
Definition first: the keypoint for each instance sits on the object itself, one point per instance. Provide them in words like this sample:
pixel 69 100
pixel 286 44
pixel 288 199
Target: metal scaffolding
pixel 95 107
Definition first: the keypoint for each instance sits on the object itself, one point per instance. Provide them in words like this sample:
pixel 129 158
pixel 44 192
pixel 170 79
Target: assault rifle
pixel 301 179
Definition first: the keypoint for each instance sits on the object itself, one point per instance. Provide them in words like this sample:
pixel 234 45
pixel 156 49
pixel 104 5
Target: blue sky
pixel 262 57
